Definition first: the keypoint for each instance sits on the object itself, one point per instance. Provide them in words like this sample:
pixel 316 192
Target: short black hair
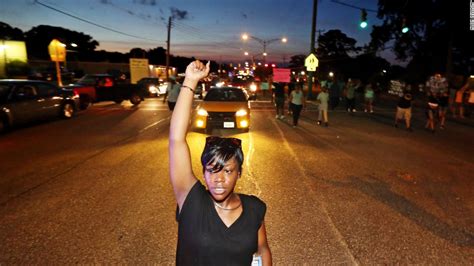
pixel 220 150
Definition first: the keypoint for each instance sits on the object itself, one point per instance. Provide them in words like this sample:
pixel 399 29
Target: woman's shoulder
pixel 253 200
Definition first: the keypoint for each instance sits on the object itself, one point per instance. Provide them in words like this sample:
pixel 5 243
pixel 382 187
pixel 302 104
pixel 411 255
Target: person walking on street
pixel 323 99
pixel 459 101
pixel 369 98
pixel 291 87
pixel 350 95
pixel 297 102
pixel 469 96
pixel 334 87
pixel 443 100
pixel 404 109
pixel 172 92
pixel 432 108
pixel 279 99
pixel 216 226
pixel 436 84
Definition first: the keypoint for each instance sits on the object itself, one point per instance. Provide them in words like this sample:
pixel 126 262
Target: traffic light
pixel 363 19
pixel 405 28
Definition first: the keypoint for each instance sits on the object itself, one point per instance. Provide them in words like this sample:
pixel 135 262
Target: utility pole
pixel 168 49
pixel 312 49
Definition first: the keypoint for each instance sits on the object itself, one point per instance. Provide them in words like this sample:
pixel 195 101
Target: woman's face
pixel 221 184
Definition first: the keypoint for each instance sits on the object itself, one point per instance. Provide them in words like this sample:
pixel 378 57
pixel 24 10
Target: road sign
pixel 57 51
pixel 281 75
pixel 138 69
pixel 311 62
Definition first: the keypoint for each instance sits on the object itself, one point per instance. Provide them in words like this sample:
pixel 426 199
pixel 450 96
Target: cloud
pixel 145 2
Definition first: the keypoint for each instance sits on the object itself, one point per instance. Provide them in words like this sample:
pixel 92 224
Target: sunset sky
pixel 211 29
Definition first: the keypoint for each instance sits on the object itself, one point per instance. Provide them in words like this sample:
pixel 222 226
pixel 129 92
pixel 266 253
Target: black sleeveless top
pixel 204 239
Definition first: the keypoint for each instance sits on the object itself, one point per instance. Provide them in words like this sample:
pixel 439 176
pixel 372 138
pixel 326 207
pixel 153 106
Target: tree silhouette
pixel 38 39
pixel 9 33
pixel 335 44
pixel 438 39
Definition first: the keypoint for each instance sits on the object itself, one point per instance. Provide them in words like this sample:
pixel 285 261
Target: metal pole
pixel 312 49
pixel 168 49
pixel 264 52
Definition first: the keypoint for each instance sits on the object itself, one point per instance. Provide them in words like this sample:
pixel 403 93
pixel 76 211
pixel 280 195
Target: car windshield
pixel 226 94
pixel 87 80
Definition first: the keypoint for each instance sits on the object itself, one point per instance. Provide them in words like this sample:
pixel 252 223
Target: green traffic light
pixel 405 29
pixel 363 18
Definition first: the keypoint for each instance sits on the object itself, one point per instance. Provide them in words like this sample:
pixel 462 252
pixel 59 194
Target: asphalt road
pixel 95 189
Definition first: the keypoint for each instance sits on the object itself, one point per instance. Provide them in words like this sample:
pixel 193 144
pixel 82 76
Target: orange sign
pixel 57 51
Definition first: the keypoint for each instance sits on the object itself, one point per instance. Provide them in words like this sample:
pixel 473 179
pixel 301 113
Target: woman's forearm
pixel 182 111
pixel 195 71
pixel 266 257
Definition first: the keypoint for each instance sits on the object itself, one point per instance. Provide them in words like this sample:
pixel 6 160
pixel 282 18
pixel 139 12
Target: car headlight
pixel 241 112
pixel 253 87
pixel 202 112
pixel 152 89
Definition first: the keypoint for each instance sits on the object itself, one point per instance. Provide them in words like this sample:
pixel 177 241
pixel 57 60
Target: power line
pixel 93 23
pixel 353 6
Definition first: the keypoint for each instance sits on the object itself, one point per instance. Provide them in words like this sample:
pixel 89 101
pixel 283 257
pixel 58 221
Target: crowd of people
pixel 439 97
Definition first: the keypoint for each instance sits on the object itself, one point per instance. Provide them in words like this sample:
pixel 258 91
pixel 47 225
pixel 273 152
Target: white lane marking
pixel 154 124
pixel 338 234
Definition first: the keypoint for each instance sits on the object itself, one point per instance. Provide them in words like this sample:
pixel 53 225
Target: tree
pixel 138 53
pixel 334 50
pixel 438 40
pixel 9 33
pixel 157 56
pixel 297 61
pixel 39 37
pixel 335 44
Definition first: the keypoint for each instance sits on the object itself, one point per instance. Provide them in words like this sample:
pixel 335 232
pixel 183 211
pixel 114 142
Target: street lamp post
pixel 264 43
pixel 253 56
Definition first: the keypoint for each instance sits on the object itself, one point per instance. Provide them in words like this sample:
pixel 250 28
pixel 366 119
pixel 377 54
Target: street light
pixel 253 57
pixel 264 43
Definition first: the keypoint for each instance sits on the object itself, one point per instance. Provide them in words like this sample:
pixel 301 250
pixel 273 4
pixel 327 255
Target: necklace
pixel 226 209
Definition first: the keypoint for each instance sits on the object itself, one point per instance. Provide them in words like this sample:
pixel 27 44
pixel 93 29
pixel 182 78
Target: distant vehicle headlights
pixel 153 89
pixel 220 84
pixel 202 112
pixel 241 112
pixel 253 87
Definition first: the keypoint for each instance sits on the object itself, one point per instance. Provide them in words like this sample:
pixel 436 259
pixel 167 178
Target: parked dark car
pixel 23 101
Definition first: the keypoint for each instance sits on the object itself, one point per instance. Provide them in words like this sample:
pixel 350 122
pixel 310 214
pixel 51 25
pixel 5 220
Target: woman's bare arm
pixel 263 248
pixel 181 174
